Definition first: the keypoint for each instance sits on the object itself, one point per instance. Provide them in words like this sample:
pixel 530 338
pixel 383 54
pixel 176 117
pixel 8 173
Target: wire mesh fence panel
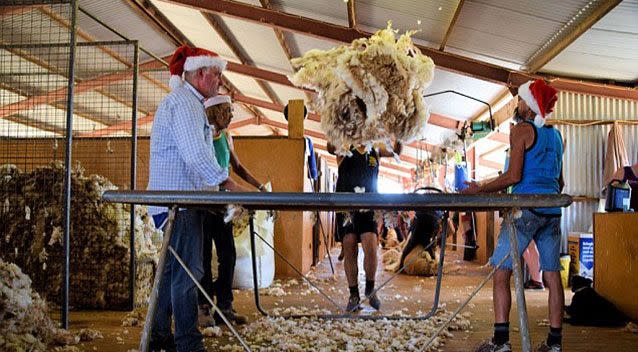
pixel 34 61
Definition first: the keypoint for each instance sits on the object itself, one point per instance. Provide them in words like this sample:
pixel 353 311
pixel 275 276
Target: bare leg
pixel 531 257
pixel 502 296
pixel 369 244
pixel 350 253
pixel 556 298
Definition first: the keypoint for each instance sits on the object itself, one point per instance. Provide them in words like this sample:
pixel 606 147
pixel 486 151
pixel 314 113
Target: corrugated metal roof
pixel 510 30
pixel 247 85
pixel 57 117
pixel 457 106
pixel 332 11
pixel 16 130
pixel 287 93
pixel 259 43
pixel 7 97
pixel 432 18
pixel 195 27
pixel 609 50
pixel 99 105
pixel 120 16
pixel 33 26
pixel 306 43
pixel 575 106
pixel 578 217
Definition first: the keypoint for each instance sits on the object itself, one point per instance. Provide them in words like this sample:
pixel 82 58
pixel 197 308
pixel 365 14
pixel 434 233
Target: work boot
pixel 490 346
pixel 375 302
pixel 544 347
pixel 232 316
pixel 353 303
pixel 204 318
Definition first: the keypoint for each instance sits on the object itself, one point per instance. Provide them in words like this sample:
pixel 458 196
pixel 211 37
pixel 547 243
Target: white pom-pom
pixel 175 82
pixel 539 121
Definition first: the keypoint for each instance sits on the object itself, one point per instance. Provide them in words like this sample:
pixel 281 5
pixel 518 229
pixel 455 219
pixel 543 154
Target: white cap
pixel 216 100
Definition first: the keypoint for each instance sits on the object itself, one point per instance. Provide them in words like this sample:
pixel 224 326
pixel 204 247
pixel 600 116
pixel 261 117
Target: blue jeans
pixel 545 231
pixel 178 293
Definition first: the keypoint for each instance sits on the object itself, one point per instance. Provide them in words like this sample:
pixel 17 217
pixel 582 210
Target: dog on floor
pixel 588 308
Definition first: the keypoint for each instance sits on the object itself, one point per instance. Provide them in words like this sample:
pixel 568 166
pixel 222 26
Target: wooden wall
pixel 282 161
pixel 107 157
pixel 278 159
pixel 616 260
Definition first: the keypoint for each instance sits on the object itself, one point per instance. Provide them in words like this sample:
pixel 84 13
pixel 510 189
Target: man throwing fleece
pixel 535 168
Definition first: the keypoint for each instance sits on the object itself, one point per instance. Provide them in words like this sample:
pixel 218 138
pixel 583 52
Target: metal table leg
pixel 159 273
pixel 253 257
pixel 350 315
pixel 526 343
pixel 465 303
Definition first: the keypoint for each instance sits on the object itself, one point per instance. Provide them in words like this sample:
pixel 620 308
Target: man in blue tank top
pixel 535 167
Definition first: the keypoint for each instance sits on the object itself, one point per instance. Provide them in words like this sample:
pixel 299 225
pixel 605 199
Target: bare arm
pixel 521 137
pixel 238 167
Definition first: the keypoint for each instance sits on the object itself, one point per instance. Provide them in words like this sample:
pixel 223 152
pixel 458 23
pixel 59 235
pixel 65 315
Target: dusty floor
pixel 405 292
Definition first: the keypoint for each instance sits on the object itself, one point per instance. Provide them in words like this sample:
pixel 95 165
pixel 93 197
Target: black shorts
pixel 362 222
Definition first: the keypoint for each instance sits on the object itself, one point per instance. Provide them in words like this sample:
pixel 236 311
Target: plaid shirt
pixel 182 154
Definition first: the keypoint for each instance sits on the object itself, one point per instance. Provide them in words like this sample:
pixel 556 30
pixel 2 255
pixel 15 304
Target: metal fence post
pixel 132 264
pixel 67 165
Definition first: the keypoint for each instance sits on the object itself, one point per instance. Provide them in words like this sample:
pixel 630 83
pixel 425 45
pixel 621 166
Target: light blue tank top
pixel 542 166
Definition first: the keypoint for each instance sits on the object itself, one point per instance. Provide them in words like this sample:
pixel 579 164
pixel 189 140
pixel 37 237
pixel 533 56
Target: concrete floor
pixel 413 293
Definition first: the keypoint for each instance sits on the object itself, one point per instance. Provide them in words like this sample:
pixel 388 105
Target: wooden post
pixel 295 118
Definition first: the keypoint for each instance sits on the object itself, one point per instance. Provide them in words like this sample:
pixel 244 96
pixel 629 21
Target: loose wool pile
pixel 369 91
pixel 31 236
pixel 24 321
pixel 314 334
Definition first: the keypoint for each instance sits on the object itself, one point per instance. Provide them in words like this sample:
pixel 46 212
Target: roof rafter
pixel 551 49
pixel 450 27
pixel 444 60
pixel 226 34
pixel 352 14
pixel 150 11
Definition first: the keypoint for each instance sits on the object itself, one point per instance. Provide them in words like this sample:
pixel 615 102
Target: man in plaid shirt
pixel 182 158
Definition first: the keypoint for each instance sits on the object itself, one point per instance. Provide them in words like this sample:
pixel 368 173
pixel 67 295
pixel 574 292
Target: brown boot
pixel 232 316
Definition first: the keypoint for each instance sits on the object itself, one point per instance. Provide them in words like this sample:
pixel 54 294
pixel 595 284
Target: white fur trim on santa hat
pixel 526 94
pixel 175 82
pixel 218 99
pixel 193 63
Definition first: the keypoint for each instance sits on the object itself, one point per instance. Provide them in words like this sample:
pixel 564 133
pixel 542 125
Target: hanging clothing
pixel 312 162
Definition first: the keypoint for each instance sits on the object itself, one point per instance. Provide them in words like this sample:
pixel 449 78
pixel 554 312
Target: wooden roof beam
pixel 352 14
pixel 444 60
pixel 559 41
pixel 450 27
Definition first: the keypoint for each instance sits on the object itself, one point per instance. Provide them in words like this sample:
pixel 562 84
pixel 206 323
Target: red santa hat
pixel 216 100
pixel 540 97
pixel 186 58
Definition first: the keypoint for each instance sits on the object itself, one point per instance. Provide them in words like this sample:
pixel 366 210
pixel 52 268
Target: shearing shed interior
pixel 334 175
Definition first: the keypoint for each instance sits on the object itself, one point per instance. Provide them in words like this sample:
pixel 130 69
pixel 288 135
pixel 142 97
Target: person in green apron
pixel 219 114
